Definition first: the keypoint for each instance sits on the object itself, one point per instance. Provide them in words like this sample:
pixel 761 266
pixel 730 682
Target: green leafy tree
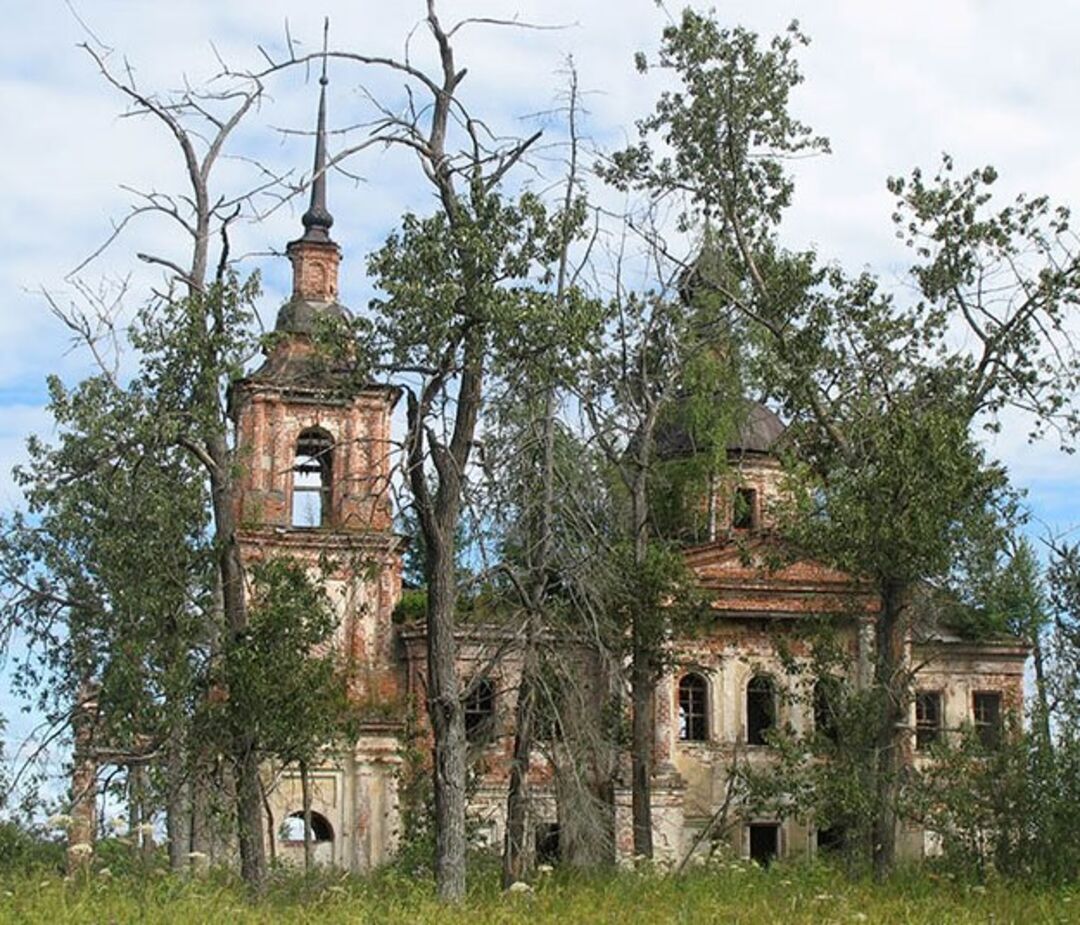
pixel 882 404
pixel 107 579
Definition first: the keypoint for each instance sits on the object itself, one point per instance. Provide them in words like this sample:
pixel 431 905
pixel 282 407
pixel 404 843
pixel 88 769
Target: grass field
pixel 730 892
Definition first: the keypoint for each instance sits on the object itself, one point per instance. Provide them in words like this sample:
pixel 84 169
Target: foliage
pixel 281 681
pixel 107 575
pixel 27 850
pixel 1009 811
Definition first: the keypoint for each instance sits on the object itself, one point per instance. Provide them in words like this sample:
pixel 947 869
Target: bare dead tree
pixel 201 124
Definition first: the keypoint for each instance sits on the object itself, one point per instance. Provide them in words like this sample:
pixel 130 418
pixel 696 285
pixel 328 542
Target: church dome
pixel 297 316
pixel 759 428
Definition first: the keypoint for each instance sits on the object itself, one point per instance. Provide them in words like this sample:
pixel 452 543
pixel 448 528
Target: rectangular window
pixel 986 711
pixel 744 513
pixel 480 712
pixel 927 719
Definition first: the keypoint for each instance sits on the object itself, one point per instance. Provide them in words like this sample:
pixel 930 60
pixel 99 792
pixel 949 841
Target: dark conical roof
pixel 317 219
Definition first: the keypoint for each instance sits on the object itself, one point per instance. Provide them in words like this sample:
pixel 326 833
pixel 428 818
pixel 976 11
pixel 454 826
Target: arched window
pixel 311 479
pixel 693 708
pixel 760 709
pixel 480 711
pixel 827 694
pixel 292 829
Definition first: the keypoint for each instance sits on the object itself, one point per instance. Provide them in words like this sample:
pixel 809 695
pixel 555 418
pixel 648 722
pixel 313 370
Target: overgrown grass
pixel 726 892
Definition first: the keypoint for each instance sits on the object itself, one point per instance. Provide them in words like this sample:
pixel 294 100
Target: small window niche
pixel 927 719
pixel 744 509
pixel 760 709
pixel 312 479
pixel 480 712
pixel 986 711
pixel 693 708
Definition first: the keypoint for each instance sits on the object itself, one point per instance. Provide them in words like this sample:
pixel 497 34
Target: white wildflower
pixel 81 850
pixel 196 856
pixel 544 869
pixel 519 886
pixel 118 823
pixel 59 821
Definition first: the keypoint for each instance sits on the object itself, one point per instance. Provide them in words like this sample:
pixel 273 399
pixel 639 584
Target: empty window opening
pixel 292 829
pixel 693 706
pixel 760 709
pixel 311 479
pixel 986 707
pixel 764 842
pixel 831 840
pixel 744 509
pixel 927 719
pixel 827 698
pixel 547 843
pixel 480 711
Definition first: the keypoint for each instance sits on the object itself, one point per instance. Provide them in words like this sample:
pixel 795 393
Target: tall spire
pixel 317 219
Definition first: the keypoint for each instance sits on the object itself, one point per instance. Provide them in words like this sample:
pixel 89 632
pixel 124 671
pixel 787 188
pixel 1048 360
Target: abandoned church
pixel 318 468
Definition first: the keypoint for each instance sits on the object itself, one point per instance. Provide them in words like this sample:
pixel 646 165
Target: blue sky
pixel 893 86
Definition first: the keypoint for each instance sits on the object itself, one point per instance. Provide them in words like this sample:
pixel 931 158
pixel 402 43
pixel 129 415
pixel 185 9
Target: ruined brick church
pixel 317 468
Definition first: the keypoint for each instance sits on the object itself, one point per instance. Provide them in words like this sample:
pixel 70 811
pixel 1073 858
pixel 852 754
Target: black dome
pixel 758 431
pixel 297 316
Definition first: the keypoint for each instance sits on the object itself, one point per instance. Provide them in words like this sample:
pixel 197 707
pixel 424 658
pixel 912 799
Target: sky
pixel 892 85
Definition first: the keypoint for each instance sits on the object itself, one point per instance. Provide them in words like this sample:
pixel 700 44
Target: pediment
pixel 761 577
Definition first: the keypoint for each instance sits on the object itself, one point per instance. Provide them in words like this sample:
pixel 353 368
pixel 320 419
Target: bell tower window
pixel 312 479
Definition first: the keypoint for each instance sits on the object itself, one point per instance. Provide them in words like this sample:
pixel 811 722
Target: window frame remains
pixel 693 707
pixel 928 723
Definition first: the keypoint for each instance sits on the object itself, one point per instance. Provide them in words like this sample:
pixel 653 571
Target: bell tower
pixel 314 486
pixel 315 455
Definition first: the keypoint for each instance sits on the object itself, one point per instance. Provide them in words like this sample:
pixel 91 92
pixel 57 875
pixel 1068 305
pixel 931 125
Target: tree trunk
pixel 83 779
pixel 642 681
pixel 245 751
pixel 201 839
pixel 249 813
pixel 641 749
pixel 892 682
pixel 305 795
pixel 146 832
pixel 448 724
pixel 515 854
pixel 135 806
pixel 1041 720
pixel 177 817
